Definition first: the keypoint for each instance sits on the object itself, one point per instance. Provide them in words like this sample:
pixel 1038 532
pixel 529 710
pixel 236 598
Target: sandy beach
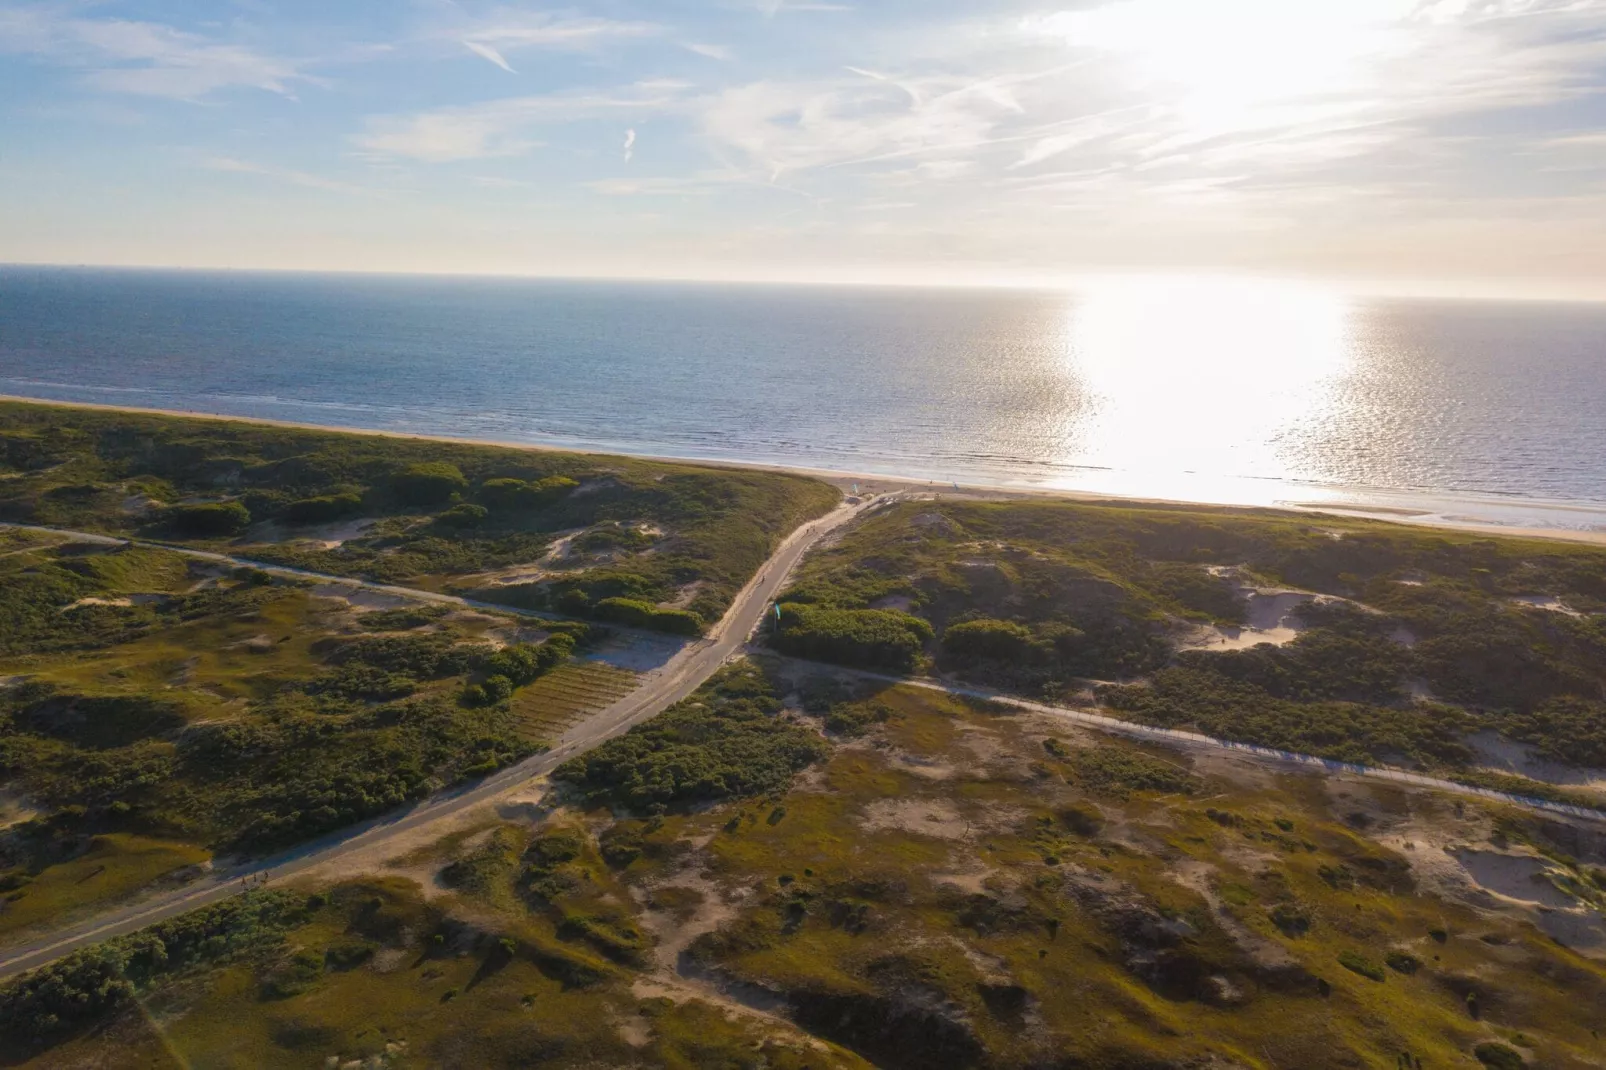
pixel 872 483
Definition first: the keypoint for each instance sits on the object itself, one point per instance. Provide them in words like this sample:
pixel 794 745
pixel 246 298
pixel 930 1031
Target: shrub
pixel 322 509
pixel 965 644
pixel 725 741
pixel 525 663
pixel 211 519
pixel 516 494
pixel 1403 962
pixel 428 483
pixel 466 515
pixel 1497 1056
pixel 1355 962
pixel 869 638
pixel 634 613
pixel 86 985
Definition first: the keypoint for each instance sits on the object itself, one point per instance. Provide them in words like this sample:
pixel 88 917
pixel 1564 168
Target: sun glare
pixel 1224 63
pixel 1212 370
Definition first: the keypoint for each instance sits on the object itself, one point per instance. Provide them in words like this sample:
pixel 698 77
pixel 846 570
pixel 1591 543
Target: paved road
pixel 659 689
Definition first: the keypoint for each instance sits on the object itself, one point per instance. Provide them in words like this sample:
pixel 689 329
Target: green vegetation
pixel 638 614
pixel 728 740
pixel 866 638
pixel 156 709
pixel 680 539
pixel 954 888
pixel 87 985
pixel 1418 640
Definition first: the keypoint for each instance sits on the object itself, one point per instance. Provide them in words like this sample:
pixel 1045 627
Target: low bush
pixel 323 508
pixel 208 520
pixel 89 984
pixel 428 483
pixel 637 614
pixel 883 639
pixel 726 741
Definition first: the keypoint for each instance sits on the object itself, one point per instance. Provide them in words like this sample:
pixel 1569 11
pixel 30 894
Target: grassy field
pixel 935 883
pixel 1406 643
pixel 665 545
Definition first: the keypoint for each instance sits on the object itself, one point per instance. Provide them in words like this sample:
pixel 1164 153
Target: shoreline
pixel 877 483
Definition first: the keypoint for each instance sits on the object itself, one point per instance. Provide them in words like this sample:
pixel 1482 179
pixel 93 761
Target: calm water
pixel 1239 392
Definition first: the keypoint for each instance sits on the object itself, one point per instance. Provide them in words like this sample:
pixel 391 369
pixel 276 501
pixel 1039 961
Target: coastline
pixel 879 483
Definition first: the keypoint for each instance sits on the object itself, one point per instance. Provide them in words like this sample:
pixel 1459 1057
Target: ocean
pixel 1235 391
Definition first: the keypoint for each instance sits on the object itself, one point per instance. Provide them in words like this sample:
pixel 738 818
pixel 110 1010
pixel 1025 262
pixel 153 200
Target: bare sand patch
pixel 360 598
pixel 1547 602
pixel 329 536
pixel 970 881
pixel 937 818
pixel 902 603
pixel 1502 755
pixel 123 603
pixel 1520 877
pixel 685 595
pixel 1271 614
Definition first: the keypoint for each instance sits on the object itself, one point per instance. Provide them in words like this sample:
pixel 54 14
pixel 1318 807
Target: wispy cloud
pixel 146 58
pixel 279 174
pixel 719 52
pixel 630 145
pixel 504 127
pixel 500 32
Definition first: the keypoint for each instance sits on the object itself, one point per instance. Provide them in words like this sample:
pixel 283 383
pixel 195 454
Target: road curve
pixel 661 688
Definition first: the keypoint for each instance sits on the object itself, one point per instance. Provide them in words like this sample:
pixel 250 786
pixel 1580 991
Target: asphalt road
pixel 659 689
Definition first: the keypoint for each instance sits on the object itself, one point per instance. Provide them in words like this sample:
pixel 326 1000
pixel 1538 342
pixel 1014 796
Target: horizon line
pixel 1443 290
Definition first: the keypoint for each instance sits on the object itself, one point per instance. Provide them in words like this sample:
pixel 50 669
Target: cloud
pixel 771 8
pixel 503 127
pixel 630 145
pixel 789 127
pixel 487 52
pixel 506 30
pixel 295 178
pixel 145 58
pixel 719 52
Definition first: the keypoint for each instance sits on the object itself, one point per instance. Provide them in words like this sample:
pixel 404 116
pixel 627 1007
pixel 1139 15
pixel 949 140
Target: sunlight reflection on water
pixel 1204 389
pixel 1202 377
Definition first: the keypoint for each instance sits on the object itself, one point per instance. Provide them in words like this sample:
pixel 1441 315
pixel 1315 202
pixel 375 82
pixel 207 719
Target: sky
pixel 1454 146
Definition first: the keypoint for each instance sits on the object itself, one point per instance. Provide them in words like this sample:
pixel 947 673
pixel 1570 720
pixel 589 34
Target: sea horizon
pixel 1013 389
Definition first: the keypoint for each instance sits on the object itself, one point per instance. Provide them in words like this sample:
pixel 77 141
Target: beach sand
pixel 870 483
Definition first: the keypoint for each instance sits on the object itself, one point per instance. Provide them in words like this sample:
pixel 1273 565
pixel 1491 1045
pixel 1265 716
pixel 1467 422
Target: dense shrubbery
pixel 315 754
pixel 77 468
pixel 428 483
pixel 1351 732
pixel 466 515
pixel 323 508
pixel 86 985
pixel 513 667
pixel 1032 596
pixel 727 740
pixel 638 614
pixel 517 494
pixel 869 638
pixel 208 520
